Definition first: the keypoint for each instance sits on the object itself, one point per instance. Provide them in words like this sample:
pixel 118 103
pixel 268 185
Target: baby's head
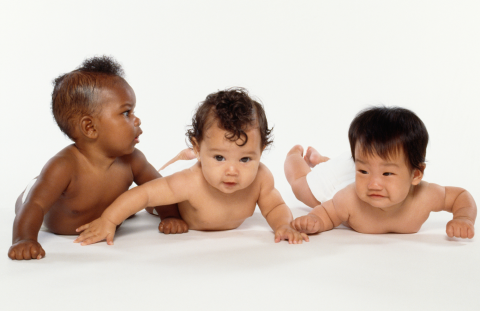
pixel 228 134
pixel 96 101
pixel 388 146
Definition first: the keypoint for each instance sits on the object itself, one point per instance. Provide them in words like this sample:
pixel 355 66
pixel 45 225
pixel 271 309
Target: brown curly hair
pixel 234 111
pixel 74 94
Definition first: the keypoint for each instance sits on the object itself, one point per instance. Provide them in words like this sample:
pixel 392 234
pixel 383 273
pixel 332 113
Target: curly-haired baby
pixel 228 135
pixel 94 106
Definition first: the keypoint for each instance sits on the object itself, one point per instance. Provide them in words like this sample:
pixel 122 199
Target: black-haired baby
pixel 228 135
pixel 388 147
pixel 94 106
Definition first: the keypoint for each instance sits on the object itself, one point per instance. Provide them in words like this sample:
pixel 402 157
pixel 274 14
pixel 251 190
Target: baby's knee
pixel 297 149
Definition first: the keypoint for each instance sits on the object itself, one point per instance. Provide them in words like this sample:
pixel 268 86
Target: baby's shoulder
pixel 264 176
pixel 429 195
pixel 65 159
pixel 346 199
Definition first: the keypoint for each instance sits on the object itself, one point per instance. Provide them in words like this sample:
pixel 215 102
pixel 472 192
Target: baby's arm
pixel 143 171
pixel 158 192
pixel 296 170
pixel 325 216
pixel 50 184
pixel 275 211
pixel 460 202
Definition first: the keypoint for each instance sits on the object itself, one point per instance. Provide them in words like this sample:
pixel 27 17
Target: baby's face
pixel 118 127
pixel 225 165
pixel 384 183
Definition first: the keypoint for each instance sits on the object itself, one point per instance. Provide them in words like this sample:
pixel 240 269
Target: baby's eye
pixel 126 113
pixel 362 172
pixel 219 158
pixel 245 160
pixel 387 174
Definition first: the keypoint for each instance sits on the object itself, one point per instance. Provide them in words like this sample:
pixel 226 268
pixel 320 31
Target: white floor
pixel 244 269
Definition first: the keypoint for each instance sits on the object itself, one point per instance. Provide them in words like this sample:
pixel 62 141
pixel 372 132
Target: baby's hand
pixel 26 250
pixel 460 228
pixel 310 223
pixel 98 230
pixel 286 232
pixel 173 225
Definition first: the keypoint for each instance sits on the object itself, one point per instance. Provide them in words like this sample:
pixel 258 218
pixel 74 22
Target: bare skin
pixel 388 196
pixel 171 221
pixel 297 166
pixel 79 182
pixel 224 187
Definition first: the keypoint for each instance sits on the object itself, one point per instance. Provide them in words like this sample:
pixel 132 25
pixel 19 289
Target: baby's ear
pixel 87 127
pixel 196 148
pixel 418 174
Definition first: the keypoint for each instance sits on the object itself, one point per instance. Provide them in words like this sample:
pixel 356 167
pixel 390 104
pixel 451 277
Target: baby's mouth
pixel 230 184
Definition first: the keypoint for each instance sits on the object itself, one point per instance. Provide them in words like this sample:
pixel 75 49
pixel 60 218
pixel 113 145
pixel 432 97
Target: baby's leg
pixel 313 157
pixel 185 154
pixel 296 170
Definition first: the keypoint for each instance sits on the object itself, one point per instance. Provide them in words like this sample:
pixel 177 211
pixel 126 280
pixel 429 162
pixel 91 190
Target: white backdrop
pixel 313 64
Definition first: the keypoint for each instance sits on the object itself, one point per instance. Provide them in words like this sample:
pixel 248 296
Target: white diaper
pixel 329 177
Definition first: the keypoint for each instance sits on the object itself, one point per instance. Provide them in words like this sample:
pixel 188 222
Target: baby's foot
pixel 313 157
pixel 185 154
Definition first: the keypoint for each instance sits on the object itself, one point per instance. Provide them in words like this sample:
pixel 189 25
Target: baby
pixel 388 147
pixel 94 106
pixel 228 135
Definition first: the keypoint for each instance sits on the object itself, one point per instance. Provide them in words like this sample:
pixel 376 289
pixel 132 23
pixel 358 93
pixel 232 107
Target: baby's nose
pixel 137 121
pixel 374 183
pixel 232 170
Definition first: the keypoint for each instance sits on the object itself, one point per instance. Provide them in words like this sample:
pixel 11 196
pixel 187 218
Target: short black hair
pixel 387 130
pixel 74 93
pixel 234 111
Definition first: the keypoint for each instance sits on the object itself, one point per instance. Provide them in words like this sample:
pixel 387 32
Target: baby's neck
pixel 94 156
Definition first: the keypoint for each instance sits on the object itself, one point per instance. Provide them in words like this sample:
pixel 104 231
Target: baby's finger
pixel 305 237
pixel 19 254
pixel 34 251
pixel 26 253
pixel 110 239
pixel 90 240
pixel 11 253
pixel 81 228
pixel 456 231
pixel 449 230
pixel 471 233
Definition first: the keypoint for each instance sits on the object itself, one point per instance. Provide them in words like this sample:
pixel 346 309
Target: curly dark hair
pixel 234 111
pixel 387 130
pixel 74 93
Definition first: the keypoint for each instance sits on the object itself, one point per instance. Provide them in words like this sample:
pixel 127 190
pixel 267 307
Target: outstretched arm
pixel 275 211
pixel 158 192
pixel 326 216
pixel 460 202
pixel 143 171
pixel 50 184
